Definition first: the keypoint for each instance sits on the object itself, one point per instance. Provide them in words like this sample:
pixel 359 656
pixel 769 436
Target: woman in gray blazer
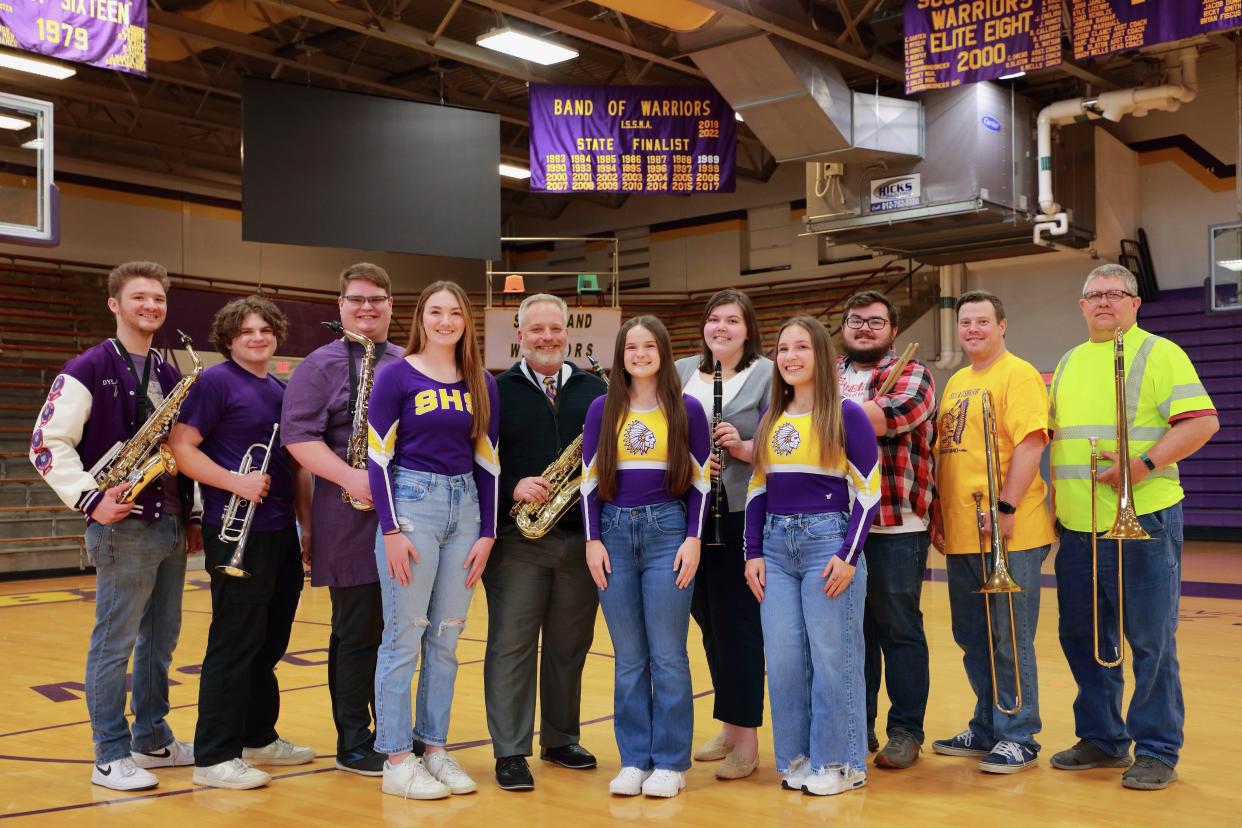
pixel 723 606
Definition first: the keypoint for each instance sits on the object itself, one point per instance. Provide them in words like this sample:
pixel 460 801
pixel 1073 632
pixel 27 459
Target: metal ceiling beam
pixel 796 32
pixel 583 29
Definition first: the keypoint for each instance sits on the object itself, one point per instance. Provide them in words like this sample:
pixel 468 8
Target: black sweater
pixel 533 432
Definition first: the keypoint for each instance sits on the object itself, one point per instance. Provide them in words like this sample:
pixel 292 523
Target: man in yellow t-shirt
pixel 1005 741
pixel 1169 417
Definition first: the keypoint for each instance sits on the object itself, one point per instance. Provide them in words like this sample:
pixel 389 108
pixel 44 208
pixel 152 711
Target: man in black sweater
pixel 542 583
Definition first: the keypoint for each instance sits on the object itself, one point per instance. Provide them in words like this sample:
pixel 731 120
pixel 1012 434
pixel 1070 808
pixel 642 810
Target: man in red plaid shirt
pixel 896 548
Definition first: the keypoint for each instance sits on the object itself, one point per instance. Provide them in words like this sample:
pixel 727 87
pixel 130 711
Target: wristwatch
pixel 1147 462
pixel 1005 507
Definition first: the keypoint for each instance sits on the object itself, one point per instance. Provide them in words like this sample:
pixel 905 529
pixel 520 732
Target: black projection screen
pixel 338 169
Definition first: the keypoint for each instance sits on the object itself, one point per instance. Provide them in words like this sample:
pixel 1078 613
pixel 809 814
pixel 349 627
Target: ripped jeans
pixel 440 516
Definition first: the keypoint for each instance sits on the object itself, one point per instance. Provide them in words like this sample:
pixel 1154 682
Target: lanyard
pixel 143 407
pixel 380 347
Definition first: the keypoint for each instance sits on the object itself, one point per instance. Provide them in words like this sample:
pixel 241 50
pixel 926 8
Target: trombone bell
pixel 1000 580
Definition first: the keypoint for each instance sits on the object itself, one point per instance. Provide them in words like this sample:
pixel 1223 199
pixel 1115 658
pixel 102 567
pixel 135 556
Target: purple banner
pixel 673 140
pixel 110 34
pixel 1101 27
pixel 950 43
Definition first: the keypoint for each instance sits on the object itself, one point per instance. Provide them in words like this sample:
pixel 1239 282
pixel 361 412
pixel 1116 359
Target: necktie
pixel 549 385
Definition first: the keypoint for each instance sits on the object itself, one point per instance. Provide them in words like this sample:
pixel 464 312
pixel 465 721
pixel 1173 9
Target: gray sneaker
pixel 900 752
pixel 1086 755
pixel 1148 774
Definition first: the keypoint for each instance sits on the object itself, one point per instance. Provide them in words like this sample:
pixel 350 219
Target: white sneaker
pixel 799 770
pixel 172 755
pixel 664 783
pixel 411 780
pixel 123 775
pixel 235 773
pixel 442 765
pixel 279 752
pixel 833 779
pixel 629 782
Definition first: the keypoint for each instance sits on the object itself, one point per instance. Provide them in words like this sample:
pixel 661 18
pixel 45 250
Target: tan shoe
pixel 713 750
pixel 736 766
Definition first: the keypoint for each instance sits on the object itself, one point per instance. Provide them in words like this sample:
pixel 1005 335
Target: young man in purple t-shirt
pixel 231 414
pixel 315 427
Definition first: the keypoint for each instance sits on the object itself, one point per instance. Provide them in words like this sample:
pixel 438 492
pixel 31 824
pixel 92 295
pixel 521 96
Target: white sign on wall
pixel 592 332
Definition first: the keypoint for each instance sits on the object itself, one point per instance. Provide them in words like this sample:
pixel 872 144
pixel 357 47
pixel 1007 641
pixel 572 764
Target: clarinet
pixel 717 515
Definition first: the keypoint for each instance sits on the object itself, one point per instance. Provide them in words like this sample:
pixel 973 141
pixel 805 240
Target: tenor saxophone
pixel 356 449
pixel 564 475
pixel 142 459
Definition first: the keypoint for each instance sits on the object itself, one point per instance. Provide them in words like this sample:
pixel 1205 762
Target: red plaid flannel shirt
pixel 907 473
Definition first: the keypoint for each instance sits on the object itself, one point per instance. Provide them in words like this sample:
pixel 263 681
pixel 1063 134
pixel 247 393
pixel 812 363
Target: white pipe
pixel 1111 106
pixel 952 281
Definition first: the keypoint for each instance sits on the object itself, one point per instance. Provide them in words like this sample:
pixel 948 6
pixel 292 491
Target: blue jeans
pixel 1153 573
pixel 139 578
pixel 813 643
pixel 648 619
pixel 970 631
pixel 440 516
pixel 893 629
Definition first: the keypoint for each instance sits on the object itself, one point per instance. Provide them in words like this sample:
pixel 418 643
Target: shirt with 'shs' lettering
pixel 421 424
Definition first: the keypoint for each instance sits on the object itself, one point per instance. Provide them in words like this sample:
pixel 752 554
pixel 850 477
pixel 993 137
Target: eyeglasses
pixel 1094 297
pixel 359 301
pixel 875 323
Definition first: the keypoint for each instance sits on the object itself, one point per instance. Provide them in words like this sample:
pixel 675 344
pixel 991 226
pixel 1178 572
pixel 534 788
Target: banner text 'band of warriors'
pixel 631 139
pixel 110 34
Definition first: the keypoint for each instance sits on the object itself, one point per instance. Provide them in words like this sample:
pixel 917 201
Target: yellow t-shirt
pixel 1020 403
pixel 1161 385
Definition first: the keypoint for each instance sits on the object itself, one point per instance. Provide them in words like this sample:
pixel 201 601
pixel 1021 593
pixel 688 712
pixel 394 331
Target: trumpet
pixel 234 529
pixel 1126 524
pixel 1000 581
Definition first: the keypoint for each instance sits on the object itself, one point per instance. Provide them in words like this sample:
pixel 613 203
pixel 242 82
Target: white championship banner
pixel 592 332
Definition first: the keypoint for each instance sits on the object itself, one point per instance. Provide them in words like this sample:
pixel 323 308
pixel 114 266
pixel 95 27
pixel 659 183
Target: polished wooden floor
pixel 45 749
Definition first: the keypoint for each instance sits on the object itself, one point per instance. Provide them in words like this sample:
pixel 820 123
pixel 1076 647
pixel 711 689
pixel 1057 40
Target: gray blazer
pixel 742 412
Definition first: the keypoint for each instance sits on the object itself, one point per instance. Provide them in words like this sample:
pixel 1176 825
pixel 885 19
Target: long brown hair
pixel 680 471
pixel 826 417
pixel 469 358
pixel 754 339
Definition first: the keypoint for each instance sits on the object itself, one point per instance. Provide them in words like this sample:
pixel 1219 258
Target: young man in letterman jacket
pixel 542 583
pixel 98 401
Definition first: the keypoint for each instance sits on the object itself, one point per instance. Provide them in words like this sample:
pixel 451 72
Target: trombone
pixel 234 529
pixel 1126 524
pixel 1000 581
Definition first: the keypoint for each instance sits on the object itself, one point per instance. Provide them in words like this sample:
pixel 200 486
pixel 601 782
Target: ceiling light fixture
pixel 9 60
pixel 1231 264
pixel 514 171
pixel 33 144
pixel 9 122
pixel 1013 75
pixel 524 46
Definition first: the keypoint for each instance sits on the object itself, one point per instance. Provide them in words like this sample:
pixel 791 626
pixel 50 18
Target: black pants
pixel 238 696
pixel 523 598
pixel 728 615
pixel 357 626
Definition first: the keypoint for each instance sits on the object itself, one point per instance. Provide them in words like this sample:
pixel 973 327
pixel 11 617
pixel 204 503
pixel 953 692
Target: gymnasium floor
pixel 45 739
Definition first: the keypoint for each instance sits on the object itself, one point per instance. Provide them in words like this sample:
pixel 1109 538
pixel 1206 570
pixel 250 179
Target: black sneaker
pixel 1086 755
pixel 900 752
pixel 873 744
pixel 513 774
pixel 574 757
pixel 1148 774
pixel 363 761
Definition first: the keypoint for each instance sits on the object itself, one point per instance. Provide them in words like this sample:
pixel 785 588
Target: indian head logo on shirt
pixel 952 424
pixel 786 439
pixel 638 438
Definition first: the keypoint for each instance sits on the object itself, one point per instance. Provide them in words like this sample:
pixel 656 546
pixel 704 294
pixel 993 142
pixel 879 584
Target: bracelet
pixel 1147 461
pixel 1005 507
pixel 393 532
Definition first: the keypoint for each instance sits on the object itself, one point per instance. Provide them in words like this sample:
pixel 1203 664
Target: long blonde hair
pixel 826 419
pixel 469 357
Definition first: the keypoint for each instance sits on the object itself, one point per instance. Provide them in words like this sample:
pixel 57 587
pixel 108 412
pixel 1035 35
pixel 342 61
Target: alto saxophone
pixel 144 457
pixel 564 476
pixel 356 449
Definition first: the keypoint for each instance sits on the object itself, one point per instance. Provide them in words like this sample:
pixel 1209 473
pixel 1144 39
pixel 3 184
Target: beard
pixel 544 362
pixel 868 355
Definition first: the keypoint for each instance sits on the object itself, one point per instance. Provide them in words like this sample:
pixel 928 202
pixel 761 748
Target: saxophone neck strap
pixel 380 347
pixel 143 408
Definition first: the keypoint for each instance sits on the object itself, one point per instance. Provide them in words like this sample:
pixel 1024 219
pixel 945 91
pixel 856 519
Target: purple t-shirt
pixel 418 423
pixel 233 409
pixel 317 411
